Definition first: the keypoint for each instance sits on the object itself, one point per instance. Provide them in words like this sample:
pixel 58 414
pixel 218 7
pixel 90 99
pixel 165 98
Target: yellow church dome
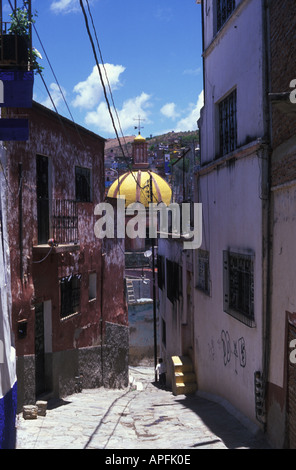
pixel 135 186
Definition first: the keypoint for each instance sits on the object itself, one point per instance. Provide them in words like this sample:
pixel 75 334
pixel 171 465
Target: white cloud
pixel 188 123
pixel 90 91
pixel 56 96
pixel 192 71
pixel 64 6
pixel 131 108
pixel 169 111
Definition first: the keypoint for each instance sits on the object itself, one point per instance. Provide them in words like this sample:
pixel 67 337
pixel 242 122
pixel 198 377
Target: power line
pixel 104 88
pixel 106 75
pixel 49 94
pixel 100 73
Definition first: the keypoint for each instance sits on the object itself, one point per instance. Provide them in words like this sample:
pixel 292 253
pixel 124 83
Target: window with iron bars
pixel 224 10
pixel 239 286
pixel 64 221
pixel 228 124
pixel 70 295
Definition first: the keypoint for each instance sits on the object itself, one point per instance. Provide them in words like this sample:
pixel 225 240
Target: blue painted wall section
pixel 8 405
pixel 18 89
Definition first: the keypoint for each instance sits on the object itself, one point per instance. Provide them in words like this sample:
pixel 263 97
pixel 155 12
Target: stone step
pixel 185 377
pixel 184 380
pixel 185 388
pixel 182 364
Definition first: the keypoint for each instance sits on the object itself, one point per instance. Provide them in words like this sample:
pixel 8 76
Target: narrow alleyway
pixel 140 417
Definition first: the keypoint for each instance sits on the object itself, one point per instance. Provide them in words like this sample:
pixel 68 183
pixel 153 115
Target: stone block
pixel 42 406
pixel 30 412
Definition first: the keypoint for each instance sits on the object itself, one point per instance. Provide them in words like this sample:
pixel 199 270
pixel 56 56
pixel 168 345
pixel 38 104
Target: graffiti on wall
pixel 235 348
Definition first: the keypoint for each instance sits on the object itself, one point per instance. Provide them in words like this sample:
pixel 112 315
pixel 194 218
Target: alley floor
pixel 139 417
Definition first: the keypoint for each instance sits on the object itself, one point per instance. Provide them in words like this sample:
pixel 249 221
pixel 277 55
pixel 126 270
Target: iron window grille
pixel 64 221
pixel 203 271
pixel 228 124
pixel 239 286
pixel 83 184
pixel 70 295
pixel 224 10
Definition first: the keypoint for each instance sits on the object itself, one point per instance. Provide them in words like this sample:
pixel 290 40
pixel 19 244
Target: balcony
pixel 60 227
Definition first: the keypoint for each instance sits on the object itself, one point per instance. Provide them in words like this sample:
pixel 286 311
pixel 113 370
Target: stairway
pixel 130 291
pixel 184 380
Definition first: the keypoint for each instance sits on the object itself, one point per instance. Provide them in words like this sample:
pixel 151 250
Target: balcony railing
pixel 64 221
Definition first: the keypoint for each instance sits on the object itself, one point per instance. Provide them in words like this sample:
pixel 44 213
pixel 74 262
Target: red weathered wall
pixel 66 145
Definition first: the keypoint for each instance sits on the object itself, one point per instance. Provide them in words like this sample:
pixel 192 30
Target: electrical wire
pixel 45 257
pixel 100 74
pixel 106 75
pixel 104 90
pixel 103 85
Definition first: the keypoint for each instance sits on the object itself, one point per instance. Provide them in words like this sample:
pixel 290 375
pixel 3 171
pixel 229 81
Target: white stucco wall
pixel 233 59
pixel 232 220
pixel 233 203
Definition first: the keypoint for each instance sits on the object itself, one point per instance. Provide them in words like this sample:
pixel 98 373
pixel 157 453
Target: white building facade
pixel 231 267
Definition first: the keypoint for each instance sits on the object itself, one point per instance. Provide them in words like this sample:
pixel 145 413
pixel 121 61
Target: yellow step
pixel 182 364
pixel 185 377
pixel 185 388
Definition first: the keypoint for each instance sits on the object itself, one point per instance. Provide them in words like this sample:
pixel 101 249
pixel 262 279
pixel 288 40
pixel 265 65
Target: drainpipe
pixel 20 175
pixel 101 308
pixel 154 290
pixel 268 216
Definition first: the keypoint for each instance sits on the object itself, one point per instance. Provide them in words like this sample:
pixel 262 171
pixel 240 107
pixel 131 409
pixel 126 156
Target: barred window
pixel 224 10
pixel 239 286
pixel 70 295
pixel 228 124
pixel 83 184
pixel 203 271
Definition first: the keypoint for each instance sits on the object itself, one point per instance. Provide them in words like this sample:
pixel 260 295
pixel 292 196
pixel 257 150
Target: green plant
pixel 20 25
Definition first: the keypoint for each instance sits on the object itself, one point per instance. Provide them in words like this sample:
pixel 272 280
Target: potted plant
pixel 16 44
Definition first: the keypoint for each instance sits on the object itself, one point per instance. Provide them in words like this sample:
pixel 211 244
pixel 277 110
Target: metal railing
pixel 64 221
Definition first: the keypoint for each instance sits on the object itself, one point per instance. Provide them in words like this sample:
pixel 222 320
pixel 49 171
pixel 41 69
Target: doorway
pixel 39 349
pixel 43 347
pixel 187 320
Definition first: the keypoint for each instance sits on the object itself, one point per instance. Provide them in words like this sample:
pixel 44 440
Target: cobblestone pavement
pixel 139 417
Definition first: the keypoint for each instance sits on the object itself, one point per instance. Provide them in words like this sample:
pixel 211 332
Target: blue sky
pixel 152 55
